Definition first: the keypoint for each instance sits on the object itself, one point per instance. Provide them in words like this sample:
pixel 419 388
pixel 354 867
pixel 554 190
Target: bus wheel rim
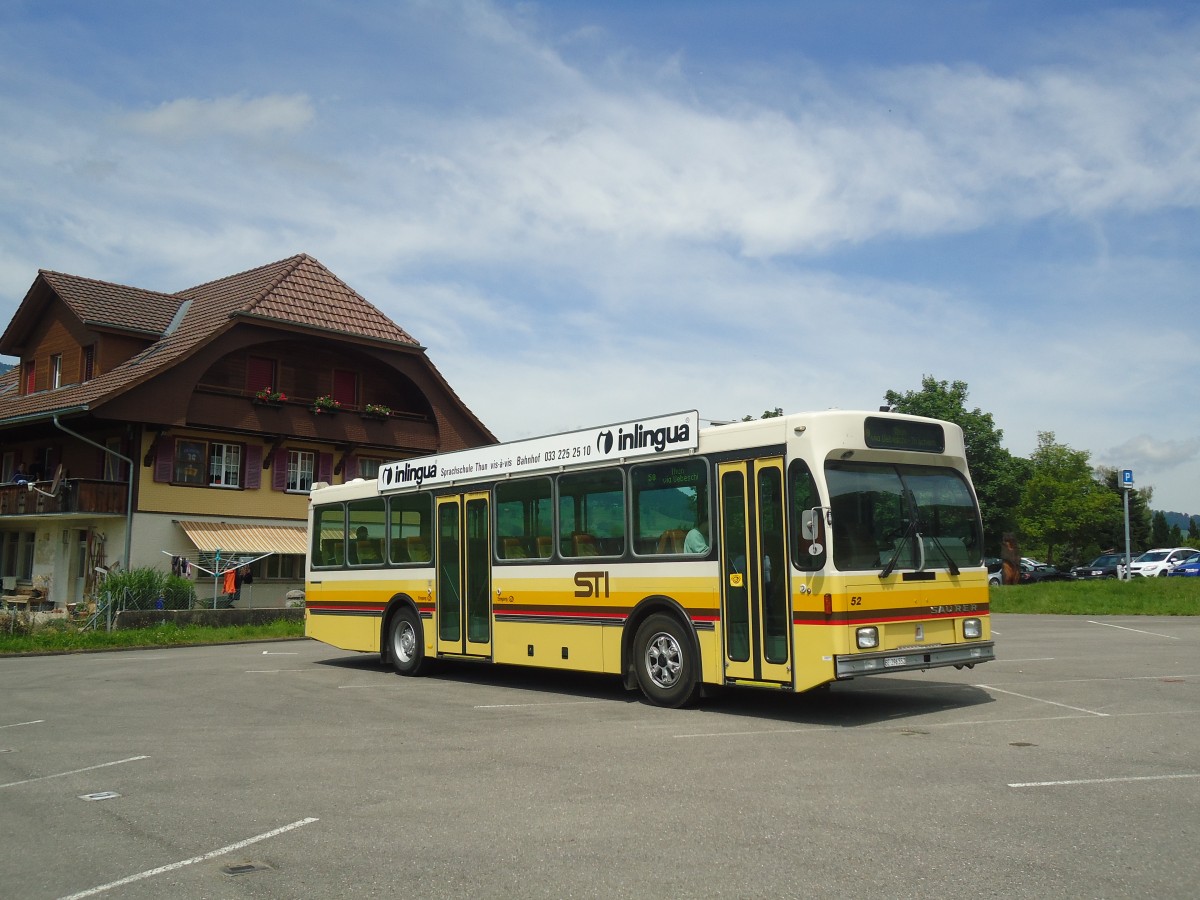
pixel 664 660
pixel 406 642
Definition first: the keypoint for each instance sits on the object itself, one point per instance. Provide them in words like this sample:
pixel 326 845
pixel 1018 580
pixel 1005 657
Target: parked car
pixel 1157 562
pixel 1190 566
pixel 995 569
pixel 1034 571
pixel 1107 565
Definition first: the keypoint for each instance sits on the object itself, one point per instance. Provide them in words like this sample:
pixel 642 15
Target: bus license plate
pixel 890 661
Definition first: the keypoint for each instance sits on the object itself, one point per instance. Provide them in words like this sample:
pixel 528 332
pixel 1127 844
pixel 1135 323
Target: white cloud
pixel 190 119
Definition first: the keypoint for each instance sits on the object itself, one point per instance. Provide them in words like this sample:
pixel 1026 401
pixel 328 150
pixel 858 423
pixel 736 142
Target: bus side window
pixel 807 531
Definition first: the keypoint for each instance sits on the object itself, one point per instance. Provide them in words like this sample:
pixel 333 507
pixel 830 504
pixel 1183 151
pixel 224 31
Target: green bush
pixel 141 589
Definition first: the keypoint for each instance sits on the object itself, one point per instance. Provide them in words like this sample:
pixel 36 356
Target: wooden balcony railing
pixel 75 495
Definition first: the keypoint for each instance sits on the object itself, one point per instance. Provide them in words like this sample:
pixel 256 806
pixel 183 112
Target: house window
pixel 190 457
pixel 16 554
pixel 368 467
pixel 56 371
pixel 114 467
pixel 88 363
pixel 225 465
pixel 300 470
pixel 279 567
pixel 8 465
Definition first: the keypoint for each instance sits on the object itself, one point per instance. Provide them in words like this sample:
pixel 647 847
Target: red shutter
pixel 164 462
pixel 345 387
pixel 279 470
pixel 325 468
pixel 253 477
pixel 260 373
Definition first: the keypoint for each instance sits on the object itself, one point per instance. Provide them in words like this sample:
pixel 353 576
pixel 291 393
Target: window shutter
pixel 260 373
pixel 253 477
pixel 325 468
pixel 345 387
pixel 279 467
pixel 164 462
pixel 349 467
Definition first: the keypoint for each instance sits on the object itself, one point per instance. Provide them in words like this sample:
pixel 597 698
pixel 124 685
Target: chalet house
pixel 186 429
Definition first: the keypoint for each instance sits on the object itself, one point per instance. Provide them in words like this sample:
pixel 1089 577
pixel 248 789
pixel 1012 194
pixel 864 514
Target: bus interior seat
pixel 331 552
pixel 545 546
pixel 418 550
pixel 671 541
pixel 584 544
pixel 511 548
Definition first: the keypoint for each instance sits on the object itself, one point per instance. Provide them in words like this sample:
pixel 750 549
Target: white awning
pixel 233 537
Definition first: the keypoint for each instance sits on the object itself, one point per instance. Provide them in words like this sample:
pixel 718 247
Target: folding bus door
pixel 755 613
pixel 464 563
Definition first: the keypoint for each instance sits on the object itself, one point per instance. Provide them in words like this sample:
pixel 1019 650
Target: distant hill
pixel 1180 519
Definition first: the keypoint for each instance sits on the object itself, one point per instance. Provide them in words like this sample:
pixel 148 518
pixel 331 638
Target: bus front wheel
pixel 666 663
pixel 407 643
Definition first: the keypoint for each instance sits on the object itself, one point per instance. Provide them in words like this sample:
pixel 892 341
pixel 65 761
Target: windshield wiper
pixel 950 563
pixel 914 522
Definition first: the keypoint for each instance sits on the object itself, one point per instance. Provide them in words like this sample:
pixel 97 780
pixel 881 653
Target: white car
pixel 1157 562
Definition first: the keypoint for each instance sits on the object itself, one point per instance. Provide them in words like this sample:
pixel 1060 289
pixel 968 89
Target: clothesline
pixel 218 572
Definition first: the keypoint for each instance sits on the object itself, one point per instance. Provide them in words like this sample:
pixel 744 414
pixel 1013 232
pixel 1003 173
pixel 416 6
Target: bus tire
pixel 666 662
pixel 407 643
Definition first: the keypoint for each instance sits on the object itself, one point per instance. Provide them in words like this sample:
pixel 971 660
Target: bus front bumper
pixel 913 658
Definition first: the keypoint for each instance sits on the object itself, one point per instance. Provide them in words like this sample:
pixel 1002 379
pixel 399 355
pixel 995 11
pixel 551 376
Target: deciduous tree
pixel 1064 505
pixel 996 473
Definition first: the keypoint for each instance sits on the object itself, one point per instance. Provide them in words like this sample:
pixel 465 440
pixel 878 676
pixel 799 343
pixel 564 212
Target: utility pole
pixel 1126 487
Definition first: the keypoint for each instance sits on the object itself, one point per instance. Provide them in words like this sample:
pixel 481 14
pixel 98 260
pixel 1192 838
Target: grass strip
pixel 63 638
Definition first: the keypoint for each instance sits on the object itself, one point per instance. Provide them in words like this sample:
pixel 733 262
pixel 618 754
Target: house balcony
pixel 76 497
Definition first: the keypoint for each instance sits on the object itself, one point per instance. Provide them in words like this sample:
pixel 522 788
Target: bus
pixel 785 553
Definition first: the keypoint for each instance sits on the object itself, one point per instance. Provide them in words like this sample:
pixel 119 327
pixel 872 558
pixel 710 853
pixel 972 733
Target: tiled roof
pixel 303 291
pixel 102 304
pixel 297 290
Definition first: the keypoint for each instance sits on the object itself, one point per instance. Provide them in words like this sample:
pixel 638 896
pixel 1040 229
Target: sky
pixel 591 212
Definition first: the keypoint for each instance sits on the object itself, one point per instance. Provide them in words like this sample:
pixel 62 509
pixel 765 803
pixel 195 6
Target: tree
pixel 1194 531
pixel 1139 515
pixel 767 414
pixel 1160 533
pixel 1064 505
pixel 996 473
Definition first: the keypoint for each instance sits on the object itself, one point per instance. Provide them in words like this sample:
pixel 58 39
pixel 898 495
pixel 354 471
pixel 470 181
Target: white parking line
pixel 212 854
pixel 1091 712
pixel 1134 630
pixel 1025 784
pixel 525 705
pixel 115 762
pixel 18 724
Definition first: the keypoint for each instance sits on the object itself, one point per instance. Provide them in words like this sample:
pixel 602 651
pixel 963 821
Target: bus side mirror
pixel 812 530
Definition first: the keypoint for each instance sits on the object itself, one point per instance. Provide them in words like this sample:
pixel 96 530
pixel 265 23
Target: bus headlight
pixel 867 637
pixel 972 629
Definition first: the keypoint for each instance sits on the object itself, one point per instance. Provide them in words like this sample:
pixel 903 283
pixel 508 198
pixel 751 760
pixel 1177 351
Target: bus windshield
pixel 888 516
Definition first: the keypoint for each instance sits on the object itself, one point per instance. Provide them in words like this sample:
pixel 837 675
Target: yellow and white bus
pixel 781 553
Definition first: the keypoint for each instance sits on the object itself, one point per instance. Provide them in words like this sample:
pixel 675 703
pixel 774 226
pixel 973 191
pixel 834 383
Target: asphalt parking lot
pixel 1069 767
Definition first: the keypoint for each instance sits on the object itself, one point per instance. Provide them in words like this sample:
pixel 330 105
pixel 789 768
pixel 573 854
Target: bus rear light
pixel 972 629
pixel 867 637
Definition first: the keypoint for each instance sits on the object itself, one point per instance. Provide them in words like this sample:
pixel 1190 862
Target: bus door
pixel 464 563
pixel 755 610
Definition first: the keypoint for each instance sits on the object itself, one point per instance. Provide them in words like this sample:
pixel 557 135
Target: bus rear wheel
pixel 407 643
pixel 665 662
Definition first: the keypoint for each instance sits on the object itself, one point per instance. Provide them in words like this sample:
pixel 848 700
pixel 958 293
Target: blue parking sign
pixel 1127 478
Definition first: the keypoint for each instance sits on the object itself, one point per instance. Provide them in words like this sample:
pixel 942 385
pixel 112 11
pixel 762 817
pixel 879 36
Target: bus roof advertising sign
pixel 627 440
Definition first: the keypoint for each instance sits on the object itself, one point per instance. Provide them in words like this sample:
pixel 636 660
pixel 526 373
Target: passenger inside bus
pixel 697 539
pixel 366 551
